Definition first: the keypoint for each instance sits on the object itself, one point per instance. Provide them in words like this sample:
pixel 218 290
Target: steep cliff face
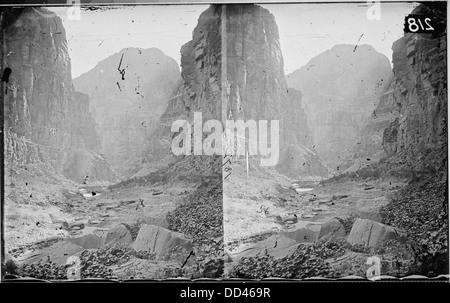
pixel 201 70
pixel 418 135
pixel 298 158
pixel 341 88
pixel 258 89
pixel 199 91
pixel 409 125
pixel 45 120
pixel 369 148
pixel 129 92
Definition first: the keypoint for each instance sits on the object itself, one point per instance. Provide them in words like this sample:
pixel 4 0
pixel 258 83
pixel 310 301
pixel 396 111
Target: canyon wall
pixel 257 88
pixel 129 92
pixel 298 158
pixel 369 148
pixel 418 135
pixel 341 87
pixel 45 120
pixel 199 91
pixel 409 125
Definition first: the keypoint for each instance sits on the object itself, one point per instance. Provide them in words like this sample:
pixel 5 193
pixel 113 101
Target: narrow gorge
pixel 129 92
pixel 93 189
pixel 341 87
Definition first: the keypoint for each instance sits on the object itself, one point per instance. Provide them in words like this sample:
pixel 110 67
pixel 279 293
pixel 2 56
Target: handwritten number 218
pixel 414 27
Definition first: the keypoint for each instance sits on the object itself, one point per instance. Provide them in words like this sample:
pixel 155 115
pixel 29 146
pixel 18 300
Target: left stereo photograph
pixel 91 103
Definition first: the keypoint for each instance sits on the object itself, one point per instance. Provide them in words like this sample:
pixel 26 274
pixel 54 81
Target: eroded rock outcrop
pixel 409 124
pixel 341 87
pixel 257 88
pixel 200 91
pixel 305 231
pixel 165 244
pixel 129 92
pixel 418 134
pixel 299 158
pixel 368 148
pixel 372 234
pixel 46 121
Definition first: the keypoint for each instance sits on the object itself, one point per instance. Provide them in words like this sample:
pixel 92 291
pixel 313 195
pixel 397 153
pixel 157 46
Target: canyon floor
pixel 265 215
pixel 271 224
pixel 55 227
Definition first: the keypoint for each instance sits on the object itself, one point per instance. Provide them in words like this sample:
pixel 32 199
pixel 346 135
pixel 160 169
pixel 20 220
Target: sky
pixel 306 30
pixel 100 34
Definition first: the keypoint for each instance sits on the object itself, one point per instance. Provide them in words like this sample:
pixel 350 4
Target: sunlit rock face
pixel 257 88
pixel 341 87
pixel 129 92
pixel 46 121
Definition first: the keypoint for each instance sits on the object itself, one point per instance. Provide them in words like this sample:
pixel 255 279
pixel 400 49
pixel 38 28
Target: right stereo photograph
pixel 335 158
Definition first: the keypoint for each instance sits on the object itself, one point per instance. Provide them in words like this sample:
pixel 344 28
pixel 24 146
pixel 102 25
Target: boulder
pixel 88 241
pixel 78 224
pixel 120 234
pixel 292 218
pixel 332 227
pixel 370 208
pixel 65 225
pixel 158 221
pixel 10 264
pixel 212 269
pixel 308 233
pixel 227 257
pixel 166 244
pixel 371 234
pixel 57 252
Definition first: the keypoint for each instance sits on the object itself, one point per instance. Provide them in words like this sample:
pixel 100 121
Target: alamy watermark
pixel 374 271
pixel 229 140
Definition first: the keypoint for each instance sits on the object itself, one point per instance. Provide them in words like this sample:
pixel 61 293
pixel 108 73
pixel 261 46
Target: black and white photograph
pixel 156 141
pixel 92 189
pixel 360 186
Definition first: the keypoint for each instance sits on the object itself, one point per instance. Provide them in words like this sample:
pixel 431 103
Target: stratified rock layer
pixel 257 88
pixel 418 135
pixel 372 234
pixel 45 120
pixel 200 91
pixel 409 125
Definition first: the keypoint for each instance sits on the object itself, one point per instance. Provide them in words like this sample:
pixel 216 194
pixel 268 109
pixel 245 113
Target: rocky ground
pixel 332 229
pixel 272 227
pixel 116 233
